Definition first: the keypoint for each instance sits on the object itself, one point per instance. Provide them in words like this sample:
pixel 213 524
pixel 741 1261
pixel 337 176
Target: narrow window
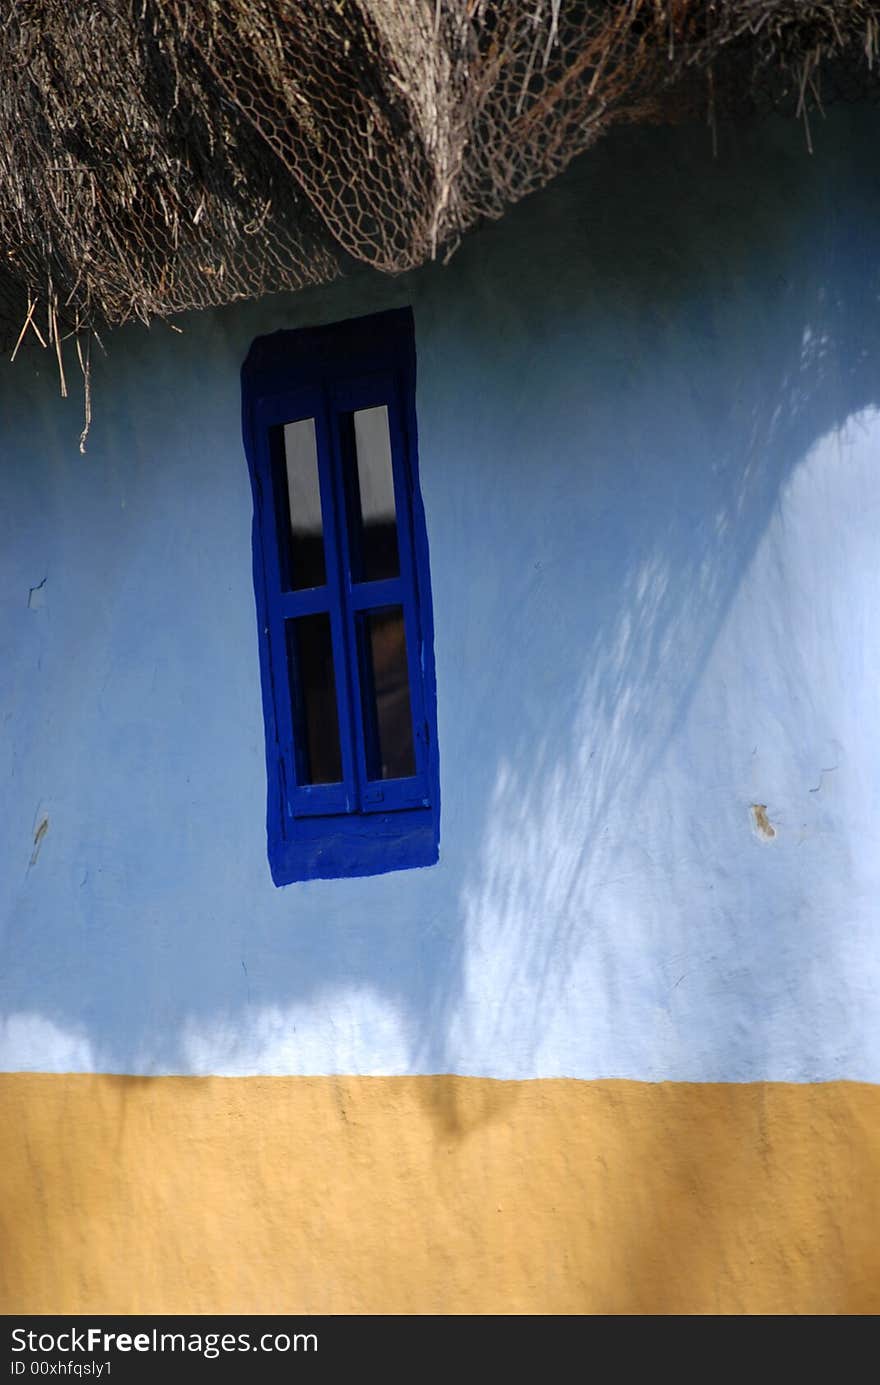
pixel 343 600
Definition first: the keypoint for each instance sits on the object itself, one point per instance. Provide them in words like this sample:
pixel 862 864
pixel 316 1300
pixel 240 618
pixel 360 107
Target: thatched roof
pixel 161 155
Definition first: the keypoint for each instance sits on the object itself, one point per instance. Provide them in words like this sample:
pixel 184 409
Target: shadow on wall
pixel 724 335
pixel 616 388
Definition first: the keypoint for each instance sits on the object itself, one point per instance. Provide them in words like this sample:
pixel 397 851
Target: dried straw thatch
pixel 160 155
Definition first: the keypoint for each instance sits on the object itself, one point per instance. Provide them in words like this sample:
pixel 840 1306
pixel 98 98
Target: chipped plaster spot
pixel 37 595
pixel 763 825
pixel 38 839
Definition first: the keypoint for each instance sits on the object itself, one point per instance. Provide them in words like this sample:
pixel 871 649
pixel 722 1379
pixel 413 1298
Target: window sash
pixel 366 392
pixel 303 799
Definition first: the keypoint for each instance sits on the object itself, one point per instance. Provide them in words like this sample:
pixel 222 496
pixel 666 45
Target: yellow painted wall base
pixel 436 1195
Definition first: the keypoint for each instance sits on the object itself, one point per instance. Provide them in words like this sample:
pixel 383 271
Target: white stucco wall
pixel 649 412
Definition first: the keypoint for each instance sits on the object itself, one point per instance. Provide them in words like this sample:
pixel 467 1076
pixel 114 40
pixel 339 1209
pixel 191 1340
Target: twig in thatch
pixel 85 365
pixel 32 303
pixel 56 337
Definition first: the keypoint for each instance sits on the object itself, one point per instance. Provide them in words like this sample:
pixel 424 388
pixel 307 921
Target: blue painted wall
pixel 649 417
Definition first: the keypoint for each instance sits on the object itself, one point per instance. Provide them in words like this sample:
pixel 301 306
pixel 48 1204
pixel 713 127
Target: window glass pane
pixel 313 692
pixel 388 728
pixel 302 536
pixel 371 498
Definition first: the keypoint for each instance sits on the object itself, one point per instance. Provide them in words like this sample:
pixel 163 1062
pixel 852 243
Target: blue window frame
pixel 343 599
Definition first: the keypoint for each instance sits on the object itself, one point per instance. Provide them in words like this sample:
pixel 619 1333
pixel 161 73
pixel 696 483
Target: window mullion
pixel 348 689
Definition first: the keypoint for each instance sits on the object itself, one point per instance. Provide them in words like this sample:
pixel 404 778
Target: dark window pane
pixel 299 507
pixel 373 519
pixel 313 691
pixel 388 729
